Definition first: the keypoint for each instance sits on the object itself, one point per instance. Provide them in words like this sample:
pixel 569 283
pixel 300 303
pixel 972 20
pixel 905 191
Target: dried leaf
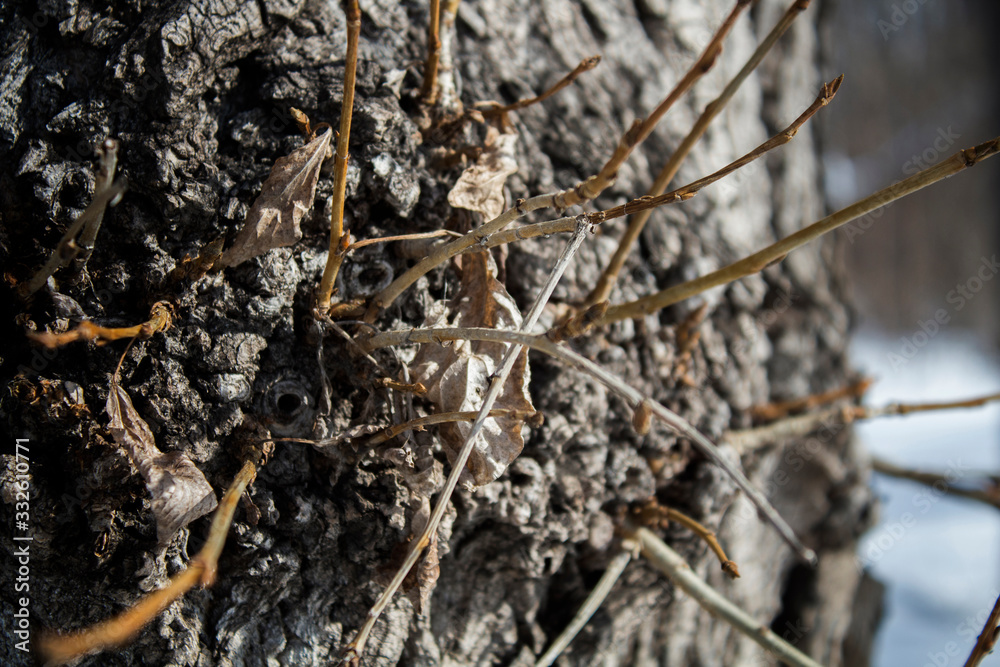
pixel 457 376
pixel 480 187
pixel 179 490
pixel 287 195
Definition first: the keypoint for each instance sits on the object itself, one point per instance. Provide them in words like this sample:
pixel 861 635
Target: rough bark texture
pixel 198 93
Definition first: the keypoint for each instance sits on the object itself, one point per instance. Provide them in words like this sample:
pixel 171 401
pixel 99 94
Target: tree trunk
pixel 198 93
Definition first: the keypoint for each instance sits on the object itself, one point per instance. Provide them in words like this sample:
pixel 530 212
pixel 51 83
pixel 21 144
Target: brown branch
pixel 777 251
pixel 496 109
pixel 339 242
pixel 946 483
pixel 160 318
pixel 429 90
pixel 987 638
pixel 593 186
pixel 201 570
pixel 602 290
pixel 496 237
pixel 779 409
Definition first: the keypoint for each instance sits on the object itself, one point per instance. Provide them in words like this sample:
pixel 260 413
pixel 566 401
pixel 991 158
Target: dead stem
pixel 444 418
pixel 60 649
pixel 593 186
pixel 496 109
pixel 583 192
pixel 611 381
pixel 670 563
pixel 942 482
pixel 560 225
pixel 355 649
pixel 987 638
pixel 338 241
pixel 160 318
pixel 728 566
pixel 799 426
pixel 106 193
pixel 602 289
pixel 776 252
pixel 593 602
pixel 779 409
pixel 429 90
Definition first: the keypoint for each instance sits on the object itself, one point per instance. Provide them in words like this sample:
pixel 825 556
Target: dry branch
pixel 776 252
pixel 602 290
pixel 338 241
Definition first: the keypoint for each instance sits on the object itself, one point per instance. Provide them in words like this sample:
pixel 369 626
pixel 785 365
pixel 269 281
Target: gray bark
pixel 198 93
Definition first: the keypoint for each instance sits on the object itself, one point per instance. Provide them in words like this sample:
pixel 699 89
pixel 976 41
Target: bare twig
pixel 800 426
pixel 429 90
pixel 419 423
pixel 987 638
pixel 200 570
pixel 356 648
pixel 590 606
pixel 633 396
pixel 728 566
pixel 495 109
pixel 776 252
pixel 338 240
pixel 602 289
pixel 160 317
pixel 106 193
pixel 669 562
pixel 593 186
pixel 942 482
pixel 779 409
pixel 583 192
pixel 497 237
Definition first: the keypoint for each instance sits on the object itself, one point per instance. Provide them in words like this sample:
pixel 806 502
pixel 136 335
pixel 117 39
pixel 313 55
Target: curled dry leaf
pixel 457 376
pixel 179 490
pixel 287 195
pixel 480 187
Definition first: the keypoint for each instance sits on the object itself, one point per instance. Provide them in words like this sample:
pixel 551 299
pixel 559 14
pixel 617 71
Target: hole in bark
pixel 288 404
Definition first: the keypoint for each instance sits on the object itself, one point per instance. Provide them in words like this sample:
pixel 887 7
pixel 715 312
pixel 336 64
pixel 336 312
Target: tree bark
pixel 198 92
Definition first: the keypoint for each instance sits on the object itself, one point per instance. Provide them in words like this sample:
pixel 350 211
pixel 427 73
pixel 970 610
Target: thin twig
pixel 338 240
pixel 728 566
pixel 776 252
pixel 419 423
pixel 681 194
pixel 106 193
pixel 799 426
pixel 402 237
pixel 590 606
pixel 987 638
pixel 942 482
pixel 593 186
pixel 611 381
pixel 355 649
pixel 669 562
pixel 602 289
pixel 583 192
pixel 496 109
pixel 160 318
pixel 105 177
pixel 429 90
pixel 779 409
pixel 200 570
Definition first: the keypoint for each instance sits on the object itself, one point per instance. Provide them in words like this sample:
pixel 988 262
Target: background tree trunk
pixel 198 92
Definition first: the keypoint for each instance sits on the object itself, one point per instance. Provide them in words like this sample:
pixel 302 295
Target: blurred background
pixel 922 82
